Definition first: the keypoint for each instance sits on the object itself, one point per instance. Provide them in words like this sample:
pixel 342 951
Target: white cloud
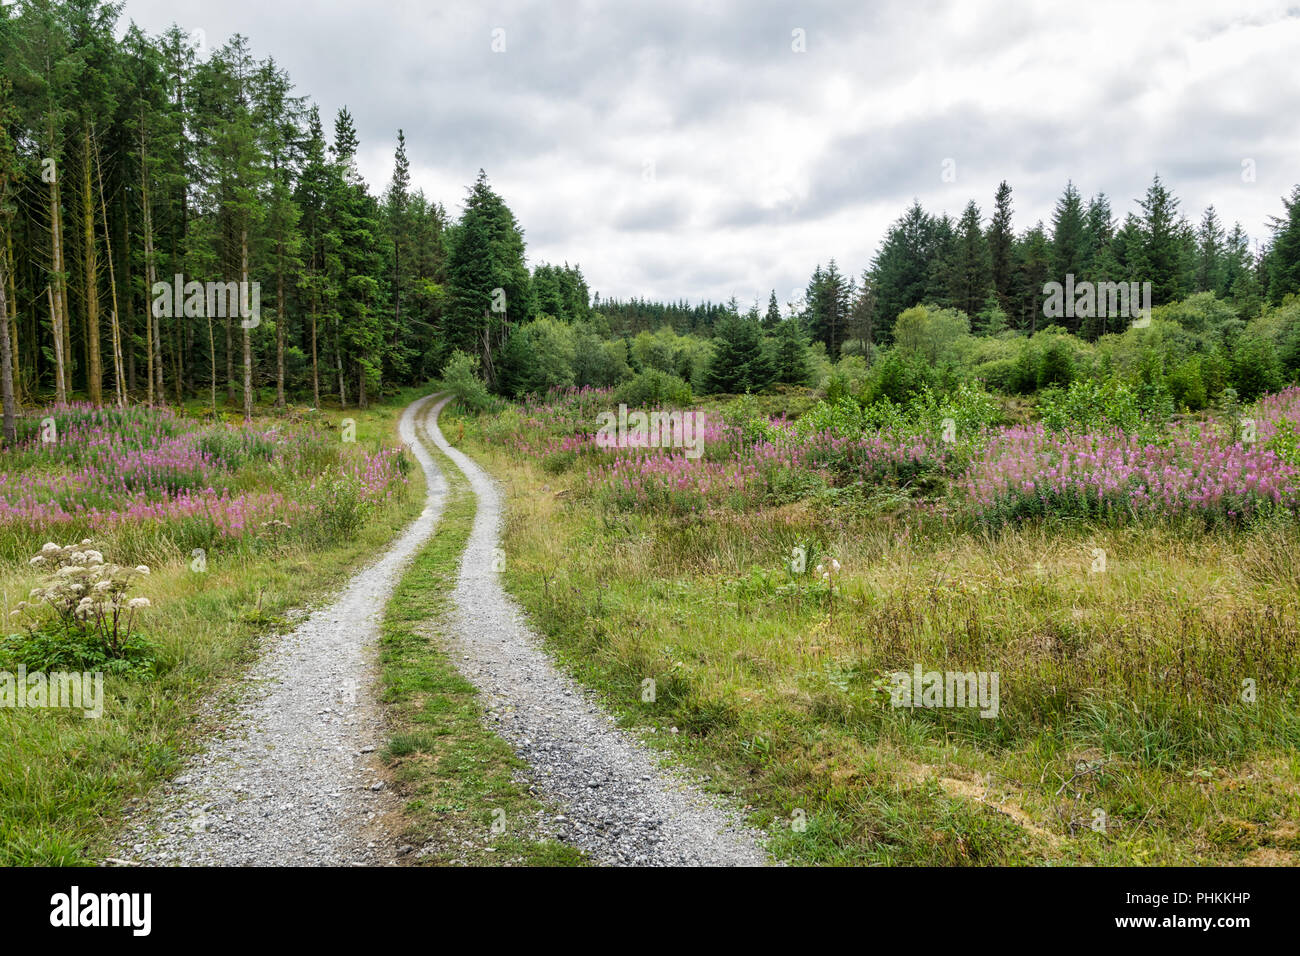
pixel 767 161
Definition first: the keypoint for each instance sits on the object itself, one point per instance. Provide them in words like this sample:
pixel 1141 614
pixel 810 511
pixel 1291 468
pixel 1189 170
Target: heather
pixel 1096 452
pixel 165 484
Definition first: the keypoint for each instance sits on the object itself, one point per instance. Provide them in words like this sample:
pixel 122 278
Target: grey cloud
pixel 586 92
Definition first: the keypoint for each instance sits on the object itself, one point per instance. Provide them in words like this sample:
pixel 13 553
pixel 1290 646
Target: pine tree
pixel 8 173
pixel 471 324
pixel 772 319
pixel 279 117
pixel 971 277
pixel 1001 240
pixel 360 345
pixel 941 262
pixel 900 270
pixel 1069 243
pixel 397 217
pixel 1284 253
pixel 790 353
pixel 321 242
pixel 740 362
pixel 1209 252
pixel 1033 264
pixel 1163 252
pixel 829 298
pixel 1238 282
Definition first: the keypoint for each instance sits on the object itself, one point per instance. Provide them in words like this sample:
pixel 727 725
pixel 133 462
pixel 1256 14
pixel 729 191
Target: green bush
pixel 342 507
pixel 539 356
pixel 460 376
pixel 1255 367
pixel 1087 404
pixel 653 387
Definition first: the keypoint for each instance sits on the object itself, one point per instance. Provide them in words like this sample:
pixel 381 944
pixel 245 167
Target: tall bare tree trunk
pixel 230 361
pixel 212 361
pixel 94 362
pixel 10 426
pixel 338 361
pixel 60 390
pixel 248 338
pixel 279 324
pixel 128 353
pixel 11 317
pixel 115 326
pixel 315 368
pixel 152 346
pixel 55 290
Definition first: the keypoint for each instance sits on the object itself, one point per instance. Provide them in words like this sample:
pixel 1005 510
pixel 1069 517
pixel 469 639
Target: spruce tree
pixel 970 279
pixel 740 361
pixel 1284 252
pixel 772 319
pixel 790 353
pixel 1001 240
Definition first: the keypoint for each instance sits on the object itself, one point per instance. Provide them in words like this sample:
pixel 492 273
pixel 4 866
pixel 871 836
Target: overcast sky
pixel 689 150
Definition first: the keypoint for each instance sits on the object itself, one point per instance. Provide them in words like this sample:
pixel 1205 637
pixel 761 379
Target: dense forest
pixel 126 162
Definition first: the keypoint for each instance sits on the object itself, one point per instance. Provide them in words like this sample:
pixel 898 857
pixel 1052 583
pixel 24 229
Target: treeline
pixel 945 303
pixel 126 163
pixel 996 276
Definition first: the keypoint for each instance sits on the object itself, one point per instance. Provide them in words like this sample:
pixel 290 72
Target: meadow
pixel 1131 580
pixel 163 549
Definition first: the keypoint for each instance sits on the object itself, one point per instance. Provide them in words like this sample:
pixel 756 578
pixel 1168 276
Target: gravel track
pixel 618 804
pixel 291 780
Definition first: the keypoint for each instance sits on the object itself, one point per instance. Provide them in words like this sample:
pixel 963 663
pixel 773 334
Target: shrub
pixel 342 506
pixel 1087 404
pixel 540 355
pixel 461 378
pixel 1255 367
pixel 653 387
pixel 898 378
pixel 83 599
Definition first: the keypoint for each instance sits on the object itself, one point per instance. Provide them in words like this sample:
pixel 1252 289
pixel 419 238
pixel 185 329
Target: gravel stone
pixel 619 804
pixel 286 778
pixel 290 777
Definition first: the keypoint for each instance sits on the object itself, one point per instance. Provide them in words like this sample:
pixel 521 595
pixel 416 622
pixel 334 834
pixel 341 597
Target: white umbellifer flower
pixel 136 603
pixel 50 548
pixel 835 565
pixel 142 568
pixel 103 585
pixel 78 557
pixel 38 560
pixel 68 570
pixel 820 568
pixel 94 557
pixel 86 542
pixel 826 576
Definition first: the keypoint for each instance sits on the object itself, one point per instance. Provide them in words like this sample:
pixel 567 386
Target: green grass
pixel 64 779
pixel 455 777
pixel 1120 691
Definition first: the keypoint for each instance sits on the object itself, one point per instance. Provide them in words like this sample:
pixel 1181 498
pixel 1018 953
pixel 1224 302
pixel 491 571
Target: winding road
pixel 293 779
